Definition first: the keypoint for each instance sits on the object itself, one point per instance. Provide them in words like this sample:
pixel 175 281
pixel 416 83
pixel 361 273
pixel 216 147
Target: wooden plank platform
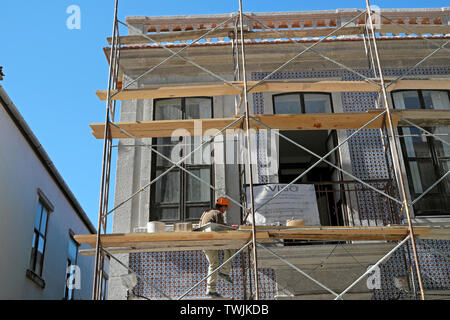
pixel 271 34
pixel 225 32
pixel 186 241
pixel 438 231
pixel 164 128
pixel 343 233
pixel 221 89
pixel 171 241
pixel 316 121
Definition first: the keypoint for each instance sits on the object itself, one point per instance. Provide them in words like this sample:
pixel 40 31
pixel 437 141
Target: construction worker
pixel 216 215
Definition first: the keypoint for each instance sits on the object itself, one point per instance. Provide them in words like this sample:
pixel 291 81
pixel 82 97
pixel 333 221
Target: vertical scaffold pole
pixel 249 153
pixel 394 152
pixel 103 206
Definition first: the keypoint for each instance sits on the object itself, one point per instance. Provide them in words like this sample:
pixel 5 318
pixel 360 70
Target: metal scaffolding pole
pixel 215 270
pixel 434 135
pixel 440 47
pixel 137 275
pixel 323 159
pixel 177 164
pixel 374 266
pixel 98 266
pixel 176 53
pixel 393 22
pixel 113 84
pixel 430 188
pixel 310 48
pixel 244 260
pixel 298 270
pixel 249 153
pixel 110 108
pixel 394 152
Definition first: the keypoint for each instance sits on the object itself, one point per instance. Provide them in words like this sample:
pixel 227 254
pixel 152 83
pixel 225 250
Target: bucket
pixel 183 227
pixel 156 226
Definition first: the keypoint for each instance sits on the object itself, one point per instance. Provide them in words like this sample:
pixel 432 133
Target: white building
pixel 39 215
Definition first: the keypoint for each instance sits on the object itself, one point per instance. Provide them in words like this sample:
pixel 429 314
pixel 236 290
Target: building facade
pixel 40 216
pixel 341 199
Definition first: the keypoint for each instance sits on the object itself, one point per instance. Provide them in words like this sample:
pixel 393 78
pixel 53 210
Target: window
pixel 72 255
pixel 104 286
pixel 426 158
pixel 296 103
pixel 294 161
pixel 39 237
pixel 177 196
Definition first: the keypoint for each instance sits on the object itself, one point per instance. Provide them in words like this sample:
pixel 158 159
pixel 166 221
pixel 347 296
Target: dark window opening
pixel 426 158
pixel 293 161
pixel 177 196
pixel 297 103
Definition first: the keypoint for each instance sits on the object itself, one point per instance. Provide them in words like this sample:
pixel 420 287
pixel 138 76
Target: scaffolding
pixel 384 118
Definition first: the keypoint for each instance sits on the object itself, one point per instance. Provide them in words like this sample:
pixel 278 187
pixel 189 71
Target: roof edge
pixel 140 19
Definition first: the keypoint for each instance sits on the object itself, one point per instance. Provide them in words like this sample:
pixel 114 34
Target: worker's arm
pixel 214 216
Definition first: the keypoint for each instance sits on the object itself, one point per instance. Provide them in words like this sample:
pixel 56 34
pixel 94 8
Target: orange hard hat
pixel 223 201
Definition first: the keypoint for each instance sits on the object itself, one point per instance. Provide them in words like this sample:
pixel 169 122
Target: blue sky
pixel 52 72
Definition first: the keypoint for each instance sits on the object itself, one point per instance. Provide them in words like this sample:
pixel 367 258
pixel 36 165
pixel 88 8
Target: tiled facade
pixel 175 272
pixel 434 263
pixel 369 162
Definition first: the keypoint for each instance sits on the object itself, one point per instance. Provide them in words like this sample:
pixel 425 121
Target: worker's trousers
pixel 213 259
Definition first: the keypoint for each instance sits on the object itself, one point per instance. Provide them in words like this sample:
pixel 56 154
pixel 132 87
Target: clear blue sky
pixel 52 72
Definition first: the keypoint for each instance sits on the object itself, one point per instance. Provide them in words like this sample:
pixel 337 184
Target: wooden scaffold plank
pixel 316 121
pixel 223 89
pixel 180 241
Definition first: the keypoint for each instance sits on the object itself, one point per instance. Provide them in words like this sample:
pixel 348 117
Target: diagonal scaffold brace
pixel 395 152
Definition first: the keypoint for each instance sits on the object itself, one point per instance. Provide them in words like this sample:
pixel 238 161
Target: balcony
pixel 351 203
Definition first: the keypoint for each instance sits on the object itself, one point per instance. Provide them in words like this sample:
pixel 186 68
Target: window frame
pixel 105 280
pixel 302 100
pixel 332 134
pixel 31 272
pixel 182 204
pixel 434 157
pixel 44 204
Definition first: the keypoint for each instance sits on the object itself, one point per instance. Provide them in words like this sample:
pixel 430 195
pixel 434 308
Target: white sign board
pixel 296 202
